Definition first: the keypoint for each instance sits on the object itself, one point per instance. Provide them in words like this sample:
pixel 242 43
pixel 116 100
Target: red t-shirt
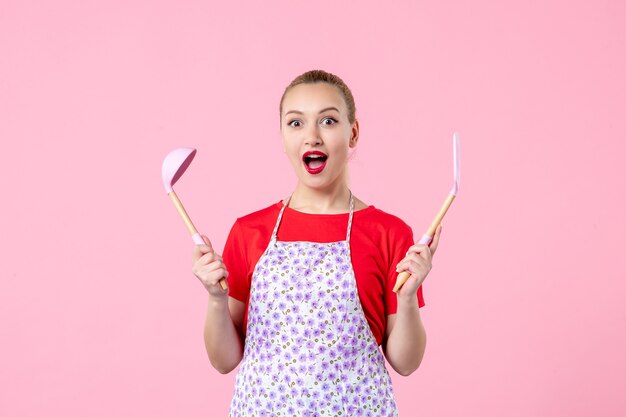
pixel 378 241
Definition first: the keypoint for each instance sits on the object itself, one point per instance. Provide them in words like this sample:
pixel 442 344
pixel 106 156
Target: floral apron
pixel 309 350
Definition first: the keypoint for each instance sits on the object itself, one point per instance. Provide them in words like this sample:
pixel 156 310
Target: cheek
pixel 341 144
pixel 291 150
pixel 287 141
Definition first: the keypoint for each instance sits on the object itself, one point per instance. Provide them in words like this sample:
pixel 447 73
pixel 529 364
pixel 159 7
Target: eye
pixel 328 121
pixel 294 123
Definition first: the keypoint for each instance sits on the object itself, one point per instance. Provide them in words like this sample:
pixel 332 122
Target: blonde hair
pixel 321 76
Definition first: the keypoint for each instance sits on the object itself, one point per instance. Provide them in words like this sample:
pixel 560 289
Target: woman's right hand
pixel 209 268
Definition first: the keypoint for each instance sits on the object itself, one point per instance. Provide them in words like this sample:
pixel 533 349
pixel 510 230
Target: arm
pixel 222 329
pixel 405 336
pixel 222 333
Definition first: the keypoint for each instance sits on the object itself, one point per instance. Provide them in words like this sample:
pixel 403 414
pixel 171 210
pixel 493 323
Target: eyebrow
pixel 321 111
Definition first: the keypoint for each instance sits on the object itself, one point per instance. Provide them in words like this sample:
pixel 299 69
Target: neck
pixel 330 200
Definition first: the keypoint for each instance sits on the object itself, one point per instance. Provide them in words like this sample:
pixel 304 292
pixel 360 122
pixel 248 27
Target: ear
pixel 354 138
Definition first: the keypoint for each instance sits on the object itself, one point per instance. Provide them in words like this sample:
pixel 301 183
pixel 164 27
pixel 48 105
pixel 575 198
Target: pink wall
pixel 100 314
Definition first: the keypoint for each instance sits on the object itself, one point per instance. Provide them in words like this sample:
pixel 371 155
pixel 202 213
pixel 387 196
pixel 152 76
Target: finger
pixel 217 273
pixel 418 263
pixel 207 247
pixel 412 284
pixel 214 276
pixel 417 248
pixel 435 243
pixel 413 257
pixel 413 281
pixel 213 266
pixel 410 256
pixel 421 250
pixel 418 270
pixel 200 250
pixel 208 242
pixel 206 270
pixel 423 258
pixel 209 257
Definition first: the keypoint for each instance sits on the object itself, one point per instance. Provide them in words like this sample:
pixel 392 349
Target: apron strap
pixel 282 210
pixel 350 218
pixel 280 216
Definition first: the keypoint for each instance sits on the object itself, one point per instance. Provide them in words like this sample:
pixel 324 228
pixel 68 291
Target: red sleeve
pixel 236 262
pixel 399 245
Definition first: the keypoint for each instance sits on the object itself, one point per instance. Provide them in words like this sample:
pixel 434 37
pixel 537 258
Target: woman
pixel 310 279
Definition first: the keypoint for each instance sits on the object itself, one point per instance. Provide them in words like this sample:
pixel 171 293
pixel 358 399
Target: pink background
pixel 100 314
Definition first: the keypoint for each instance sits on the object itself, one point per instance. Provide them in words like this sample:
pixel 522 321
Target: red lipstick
pixel 314 161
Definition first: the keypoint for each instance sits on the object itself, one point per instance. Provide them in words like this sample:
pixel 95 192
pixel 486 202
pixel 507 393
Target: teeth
pixel 314 156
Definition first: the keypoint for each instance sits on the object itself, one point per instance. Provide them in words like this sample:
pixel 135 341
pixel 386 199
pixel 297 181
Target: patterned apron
pixel 309 350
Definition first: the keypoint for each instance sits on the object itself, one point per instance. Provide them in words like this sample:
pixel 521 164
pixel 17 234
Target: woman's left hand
pixel 418 262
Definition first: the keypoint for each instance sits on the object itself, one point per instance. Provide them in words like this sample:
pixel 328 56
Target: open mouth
pixel 314 162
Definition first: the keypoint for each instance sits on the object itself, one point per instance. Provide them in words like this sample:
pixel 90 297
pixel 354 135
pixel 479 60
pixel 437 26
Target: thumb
pixel 435 242
pixel 200 250
pixel 207 241
pixel 208 244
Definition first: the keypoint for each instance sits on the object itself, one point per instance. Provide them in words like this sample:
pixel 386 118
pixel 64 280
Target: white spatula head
pixel 457 163
pixel 174 165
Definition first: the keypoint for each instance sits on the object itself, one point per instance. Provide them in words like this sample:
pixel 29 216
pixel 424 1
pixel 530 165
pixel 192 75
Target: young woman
pixel 310 279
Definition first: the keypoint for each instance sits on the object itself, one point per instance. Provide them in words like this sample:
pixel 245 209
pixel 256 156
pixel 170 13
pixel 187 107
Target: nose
pixel 312 136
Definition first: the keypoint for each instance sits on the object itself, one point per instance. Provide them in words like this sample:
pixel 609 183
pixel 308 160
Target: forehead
pixel 313 97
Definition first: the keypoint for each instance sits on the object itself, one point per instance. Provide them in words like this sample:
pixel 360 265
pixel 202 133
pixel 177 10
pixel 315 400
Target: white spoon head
pixel 174 166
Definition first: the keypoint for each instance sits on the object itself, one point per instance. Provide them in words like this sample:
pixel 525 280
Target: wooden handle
pixel 183 213
pixel 192 229
pixel 404 275
pixel 439 217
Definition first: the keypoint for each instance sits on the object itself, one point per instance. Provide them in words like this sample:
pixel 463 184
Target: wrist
pixel 218 301
pixel 408 302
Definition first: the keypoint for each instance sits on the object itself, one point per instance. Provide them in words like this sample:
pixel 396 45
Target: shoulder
pixel 260 217
pixel 373 217
pixel 253 229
